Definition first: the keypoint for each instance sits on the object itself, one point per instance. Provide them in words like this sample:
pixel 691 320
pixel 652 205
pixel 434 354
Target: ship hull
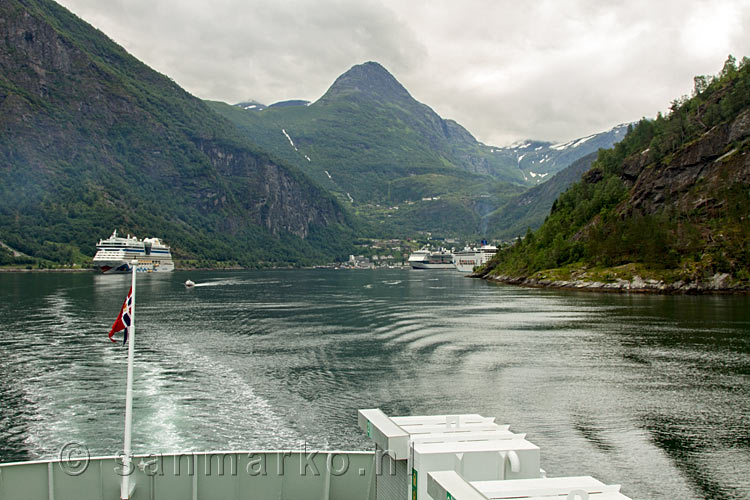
pixel 425 259
pixel 469 259
pixel 427 265
pixel 467 264
pixel 123 266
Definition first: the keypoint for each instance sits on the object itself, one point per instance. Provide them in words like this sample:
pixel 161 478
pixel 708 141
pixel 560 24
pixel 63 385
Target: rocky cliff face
pixel 696 177
pixel 270 195
pixel 90 138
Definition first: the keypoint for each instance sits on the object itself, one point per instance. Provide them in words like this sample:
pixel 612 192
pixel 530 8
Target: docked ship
pixel 429 259
pixel 469 258
pixel 114 255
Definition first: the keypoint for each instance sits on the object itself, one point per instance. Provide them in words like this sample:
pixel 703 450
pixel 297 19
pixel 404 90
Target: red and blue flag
pixel 124 319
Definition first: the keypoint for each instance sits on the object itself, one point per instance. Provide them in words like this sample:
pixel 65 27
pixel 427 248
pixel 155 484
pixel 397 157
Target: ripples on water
pixel 647 391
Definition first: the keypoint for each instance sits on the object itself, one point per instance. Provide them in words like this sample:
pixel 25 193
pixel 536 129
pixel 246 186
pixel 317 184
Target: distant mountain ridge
pixel 251 105
pixel 285 104
pixel 529 209
pixel 370 143
pixel 538 160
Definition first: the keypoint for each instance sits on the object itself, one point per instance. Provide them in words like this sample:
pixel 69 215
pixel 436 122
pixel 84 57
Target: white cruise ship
pixel 114 254
pixel 429 259
pixel 469 258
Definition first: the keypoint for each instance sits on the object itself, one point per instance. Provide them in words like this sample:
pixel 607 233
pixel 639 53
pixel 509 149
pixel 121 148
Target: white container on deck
pixel 471 445
pixel 450 485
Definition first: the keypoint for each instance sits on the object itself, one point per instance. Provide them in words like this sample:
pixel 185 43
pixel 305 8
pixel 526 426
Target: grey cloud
pixel 504 69
pixel 230 50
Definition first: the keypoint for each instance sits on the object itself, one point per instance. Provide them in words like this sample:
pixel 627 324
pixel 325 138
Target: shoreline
pixel 53 270
pixel 184 269
pixel 717 285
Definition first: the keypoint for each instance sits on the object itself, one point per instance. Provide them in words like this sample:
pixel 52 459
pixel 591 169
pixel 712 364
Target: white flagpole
pixel 127 463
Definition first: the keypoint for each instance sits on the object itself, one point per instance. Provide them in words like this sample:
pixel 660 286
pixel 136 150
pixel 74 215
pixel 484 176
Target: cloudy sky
pixel 506 70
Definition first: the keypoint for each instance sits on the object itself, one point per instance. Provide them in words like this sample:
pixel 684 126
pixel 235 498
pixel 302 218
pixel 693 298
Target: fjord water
pixel 649 391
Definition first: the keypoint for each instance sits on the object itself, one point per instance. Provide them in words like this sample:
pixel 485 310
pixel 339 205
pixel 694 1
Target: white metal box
pixel 500 459
pixel 407 448
pixel 449 485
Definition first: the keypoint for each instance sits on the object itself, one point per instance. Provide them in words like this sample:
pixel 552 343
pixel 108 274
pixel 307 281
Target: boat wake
pixel 222 282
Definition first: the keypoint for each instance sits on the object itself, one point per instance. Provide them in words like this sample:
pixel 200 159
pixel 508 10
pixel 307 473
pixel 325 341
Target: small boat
pixel 189 283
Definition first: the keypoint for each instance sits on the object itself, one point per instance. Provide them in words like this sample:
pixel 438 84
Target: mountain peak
pixel 251 105
pixel 370 79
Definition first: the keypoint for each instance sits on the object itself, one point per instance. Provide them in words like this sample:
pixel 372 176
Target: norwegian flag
pixel 123 320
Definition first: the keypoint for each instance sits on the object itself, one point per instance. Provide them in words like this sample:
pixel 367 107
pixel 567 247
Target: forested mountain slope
pixel 670 202
pixel 375 147
pixel 91 140
pixel 529 209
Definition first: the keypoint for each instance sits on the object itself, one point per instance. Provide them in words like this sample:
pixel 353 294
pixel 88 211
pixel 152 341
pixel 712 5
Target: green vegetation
pixel 529 209
pixel 372 145
pixel 368 139
pixel 91 140
pixel 670 198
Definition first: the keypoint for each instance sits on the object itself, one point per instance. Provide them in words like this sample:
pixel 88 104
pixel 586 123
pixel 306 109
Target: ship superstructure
pixel 115 254
pixel 469 258
pixel 431 259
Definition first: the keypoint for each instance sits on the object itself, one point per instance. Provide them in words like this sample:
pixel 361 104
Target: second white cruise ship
pixel 429 259
pixel 469 258
pixel 114 254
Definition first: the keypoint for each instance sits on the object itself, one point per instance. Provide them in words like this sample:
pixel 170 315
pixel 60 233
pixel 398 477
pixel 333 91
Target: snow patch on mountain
pixel 560 147
pixel 540 175
pixel 290 139
pixel 582 140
